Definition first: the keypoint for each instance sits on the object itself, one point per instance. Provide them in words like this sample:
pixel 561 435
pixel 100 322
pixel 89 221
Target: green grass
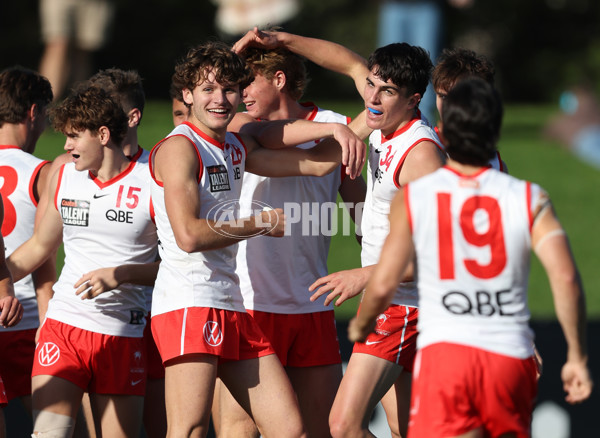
pixel 572 185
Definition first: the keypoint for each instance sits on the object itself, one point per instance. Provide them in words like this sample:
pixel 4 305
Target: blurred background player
pixel 72 30
pixel 475 344
pixel 101 211
pixel 11 312
pixel 455 64
pixel 275 274
pixel 402 148
pixel 24 98
pixel 180 111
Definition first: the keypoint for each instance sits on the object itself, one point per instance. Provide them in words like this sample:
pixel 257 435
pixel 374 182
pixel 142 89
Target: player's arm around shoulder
pixel 326 54
pixel 45 240
pixel 340 145
pixel 178 167
pixel 423 159
pixel 396 256
pixel 551 245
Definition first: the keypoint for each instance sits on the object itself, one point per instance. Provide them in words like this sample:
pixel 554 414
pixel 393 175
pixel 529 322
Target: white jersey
pixel 204 278
pixel 386 158
pixel 104 224
pixel 18 171
pixel 142 156
pixel 472 236
pixel 275 273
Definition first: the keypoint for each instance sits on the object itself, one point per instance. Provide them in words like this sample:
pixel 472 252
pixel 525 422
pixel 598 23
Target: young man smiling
pixel 199 320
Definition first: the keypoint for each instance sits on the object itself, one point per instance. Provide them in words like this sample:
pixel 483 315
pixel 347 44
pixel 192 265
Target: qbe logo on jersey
pixel 75 212
pixel 212 333
pixel 49 354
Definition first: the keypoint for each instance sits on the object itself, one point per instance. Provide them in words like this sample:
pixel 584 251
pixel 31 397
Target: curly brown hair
pixel 457 63
pixel 268 62
pixel 90 107
pixel 211 57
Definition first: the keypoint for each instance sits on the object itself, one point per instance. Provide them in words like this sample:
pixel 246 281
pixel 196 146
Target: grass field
pixel 572 185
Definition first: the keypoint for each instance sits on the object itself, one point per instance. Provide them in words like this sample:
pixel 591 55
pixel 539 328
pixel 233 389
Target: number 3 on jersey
pixel 8 184
pixel 493 237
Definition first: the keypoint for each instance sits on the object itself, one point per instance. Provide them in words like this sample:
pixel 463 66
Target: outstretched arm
pixel 342 145
pixel 176 166
pixel 326 54
pixel 551 245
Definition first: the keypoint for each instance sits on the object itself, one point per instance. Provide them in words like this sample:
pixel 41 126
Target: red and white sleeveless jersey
pixel 386 158
pixel 472 236
pixel 18 171
pixel 275 273
pixel 104 224
pixel 204 278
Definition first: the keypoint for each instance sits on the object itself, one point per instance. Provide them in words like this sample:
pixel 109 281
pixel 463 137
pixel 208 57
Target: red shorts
pixel 457 389
pixel 95 362
pixel 395 337
pixel 302 340
pixel 17 349
pixel 3 399
pixel 156 369
pixel 205 330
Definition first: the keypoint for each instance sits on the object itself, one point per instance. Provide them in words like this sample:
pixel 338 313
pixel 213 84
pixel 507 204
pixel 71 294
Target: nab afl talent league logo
pixel 49 354
pixel 212 333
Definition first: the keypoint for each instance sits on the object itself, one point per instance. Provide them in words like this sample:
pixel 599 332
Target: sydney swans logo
pixel 224 218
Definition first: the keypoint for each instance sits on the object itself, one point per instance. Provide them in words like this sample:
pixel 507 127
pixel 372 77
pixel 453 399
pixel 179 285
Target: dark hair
pixel 20 88
pixel 125 86
pixel 471 120
pixel 456 63
pixel 405 65
pixel 216 57
pixel 268 62
pixel 90 107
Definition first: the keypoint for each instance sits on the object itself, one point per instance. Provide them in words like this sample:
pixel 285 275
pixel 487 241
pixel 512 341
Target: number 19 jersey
pixel 472 236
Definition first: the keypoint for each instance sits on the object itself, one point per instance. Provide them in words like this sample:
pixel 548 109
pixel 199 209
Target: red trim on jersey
pixel 396 177
pixel 159 144
pixel 343 174
pixel 152 213
pixel 475 175
pixel 408 210
pixel 500 164
pixel 237 135
pixel 113 180
pixel 205 136
pixel 3 147
pixel 402 130
pixel 32 181
pixel 313 112
pixel 528 197
pixel 137 155
pixel 60 174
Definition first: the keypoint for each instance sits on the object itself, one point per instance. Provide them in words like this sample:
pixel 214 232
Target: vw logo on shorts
pixel 228 212
pixel 49 354
pixel 212 333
